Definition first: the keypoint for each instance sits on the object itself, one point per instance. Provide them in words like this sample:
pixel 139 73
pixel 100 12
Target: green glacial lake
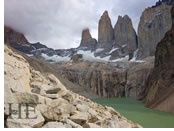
pixel 135 111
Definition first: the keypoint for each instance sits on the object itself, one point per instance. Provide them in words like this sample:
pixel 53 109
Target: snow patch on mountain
pixel 114 49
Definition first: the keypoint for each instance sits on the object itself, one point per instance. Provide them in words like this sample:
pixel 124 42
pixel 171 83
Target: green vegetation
pixel 135 111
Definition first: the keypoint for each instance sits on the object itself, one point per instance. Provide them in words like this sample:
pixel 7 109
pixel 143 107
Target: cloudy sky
pixel 58 23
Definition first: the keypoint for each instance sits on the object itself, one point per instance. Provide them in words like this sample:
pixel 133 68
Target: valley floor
pixel 136 111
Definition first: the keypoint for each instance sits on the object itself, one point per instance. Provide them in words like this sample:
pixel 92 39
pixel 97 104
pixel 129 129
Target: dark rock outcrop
pixel 38 45
pixel 16 40
pixel 105 32
pixel 87 42
pixel 19 42
pixel 76 58
pixel 154 23
pixel 11 36
pixel 160 84
pixel 160 2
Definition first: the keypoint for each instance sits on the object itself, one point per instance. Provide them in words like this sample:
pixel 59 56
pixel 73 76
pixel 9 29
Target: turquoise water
pixel 135 111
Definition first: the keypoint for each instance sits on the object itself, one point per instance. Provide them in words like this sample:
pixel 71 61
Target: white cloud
pixel 58 23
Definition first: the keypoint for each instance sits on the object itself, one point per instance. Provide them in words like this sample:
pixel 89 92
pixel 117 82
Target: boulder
pixel 57 110
pixel 82 107
pixel 91 125
pixel 52 96
pixel 27 98
pixel 54 125
pixel 80 118
pixel 53 86
pixel 93 116
pixel 77 58
pixel 113 123
pixel 73 124
pixel 124 124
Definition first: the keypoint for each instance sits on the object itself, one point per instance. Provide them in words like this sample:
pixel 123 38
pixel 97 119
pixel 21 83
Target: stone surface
pixel 109 80
pixel 125 35
pixel 124 124
pixel 11 36
pixel 16 69
pixel 105 32
pixel 160 88
pixel 87 42
pixel 82 107
pixel 154 23
pixel 52 96
pixel 80 118
pixel 57 110
pixel 77 58
pixel 73 124
pixel 54 125
pixel 91 125
pixel 137 76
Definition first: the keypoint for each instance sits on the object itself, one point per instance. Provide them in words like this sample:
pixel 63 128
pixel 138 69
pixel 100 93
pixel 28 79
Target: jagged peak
pixel 86 33
pixel 119 17
pixel 126 17
pixel 105 15
pixel 160 2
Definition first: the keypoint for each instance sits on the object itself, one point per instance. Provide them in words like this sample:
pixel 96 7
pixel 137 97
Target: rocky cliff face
pixel 50 104
pixel 137 76
pixel 11 36
pixel 103 80
pixel 125 35
pixel 160 84
pixel 105 32
pixel 108 80
pixel 154 23
pixel 87 41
